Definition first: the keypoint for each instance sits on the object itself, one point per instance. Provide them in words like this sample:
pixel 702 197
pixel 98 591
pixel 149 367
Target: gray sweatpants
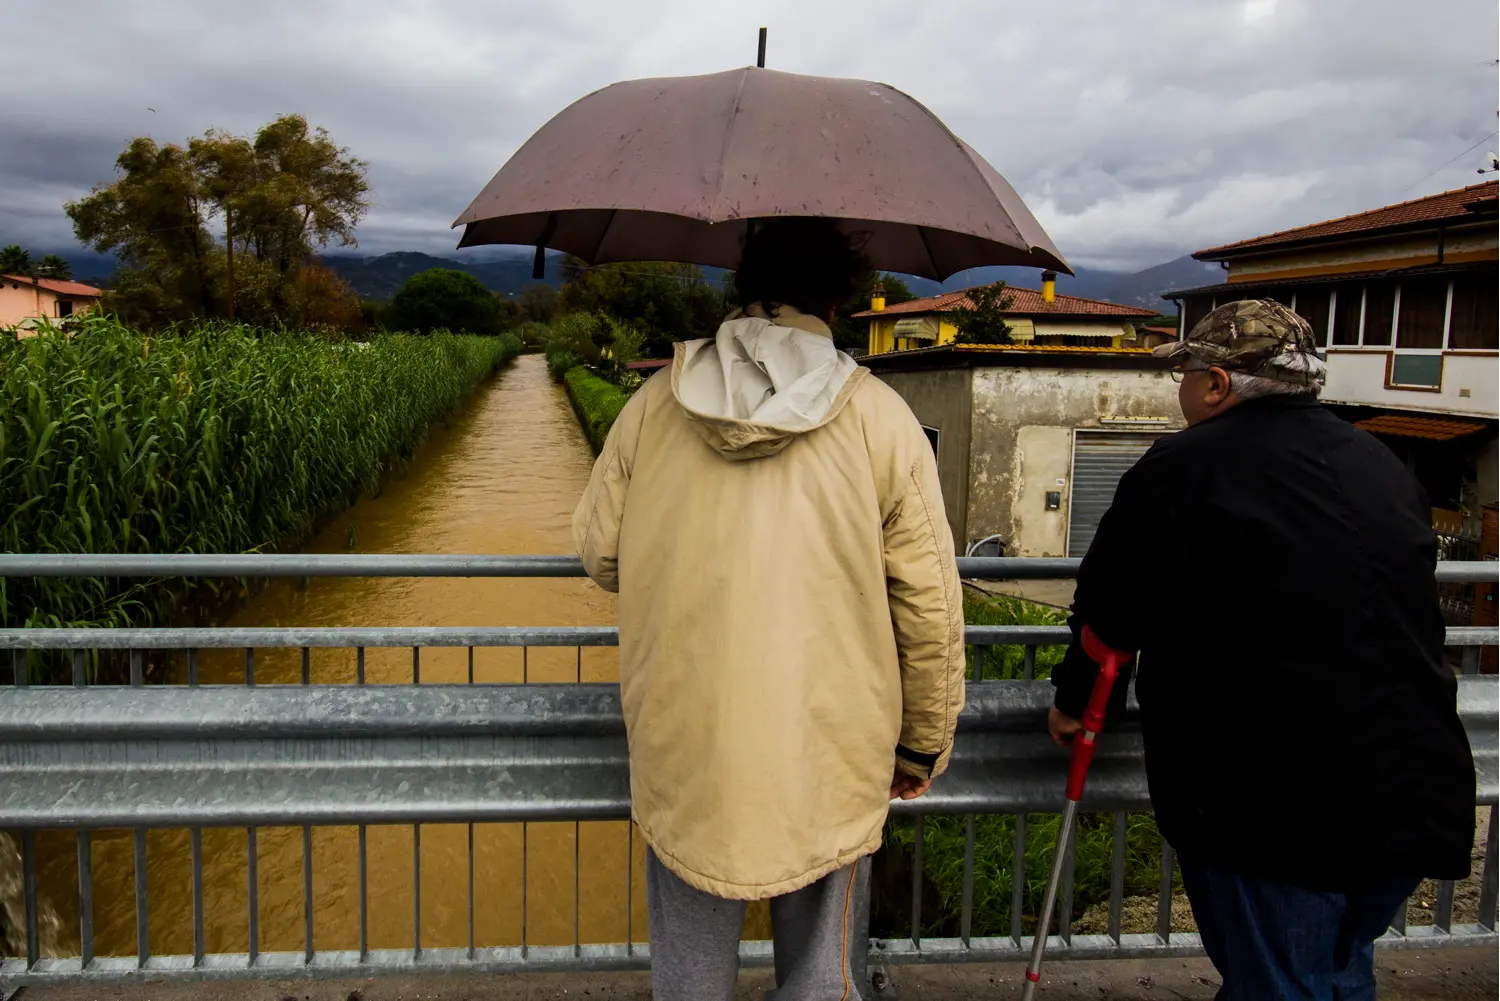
pixel 820 934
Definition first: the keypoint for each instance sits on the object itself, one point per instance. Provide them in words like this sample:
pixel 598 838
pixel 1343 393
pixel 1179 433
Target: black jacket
pixel 1274 568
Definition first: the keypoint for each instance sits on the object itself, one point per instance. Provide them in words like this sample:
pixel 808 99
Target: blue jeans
pixel 1275 942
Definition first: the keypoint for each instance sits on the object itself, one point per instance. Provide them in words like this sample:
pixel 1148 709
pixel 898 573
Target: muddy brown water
pixel 502 478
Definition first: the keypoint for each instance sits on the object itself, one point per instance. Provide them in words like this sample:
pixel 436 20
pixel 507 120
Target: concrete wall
pixel 1022 442
pixel 940 399
pixel 1471 383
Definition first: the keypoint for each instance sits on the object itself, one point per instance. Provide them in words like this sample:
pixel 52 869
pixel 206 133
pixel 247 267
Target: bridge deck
pixel 1467 974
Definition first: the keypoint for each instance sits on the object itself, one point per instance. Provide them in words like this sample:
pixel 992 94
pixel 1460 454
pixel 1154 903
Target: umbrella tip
pixel 760 56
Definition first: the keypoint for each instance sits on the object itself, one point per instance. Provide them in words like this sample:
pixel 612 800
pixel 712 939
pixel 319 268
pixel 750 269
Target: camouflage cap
pixel 1255 336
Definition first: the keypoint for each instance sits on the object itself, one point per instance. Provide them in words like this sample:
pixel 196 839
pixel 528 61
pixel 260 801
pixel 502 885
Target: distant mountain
pixel 508 271
pixel 1139 288
pixel 380 277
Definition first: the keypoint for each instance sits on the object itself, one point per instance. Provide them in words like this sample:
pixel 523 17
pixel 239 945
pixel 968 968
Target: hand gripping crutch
pixel 1110 661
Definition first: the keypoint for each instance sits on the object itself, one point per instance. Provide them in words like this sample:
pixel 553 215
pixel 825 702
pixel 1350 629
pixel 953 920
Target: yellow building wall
pixel 882 334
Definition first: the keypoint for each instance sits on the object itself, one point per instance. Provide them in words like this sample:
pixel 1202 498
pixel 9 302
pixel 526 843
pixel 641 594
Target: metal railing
pixel 93 758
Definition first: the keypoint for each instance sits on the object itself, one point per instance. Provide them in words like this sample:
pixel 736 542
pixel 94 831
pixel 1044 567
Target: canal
pixel 503 478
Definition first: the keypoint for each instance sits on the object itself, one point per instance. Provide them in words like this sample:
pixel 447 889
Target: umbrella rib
pixel 603 234
pixel 931 257
pixel 734 114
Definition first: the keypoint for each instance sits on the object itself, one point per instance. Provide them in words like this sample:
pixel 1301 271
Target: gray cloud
pixel 1136 132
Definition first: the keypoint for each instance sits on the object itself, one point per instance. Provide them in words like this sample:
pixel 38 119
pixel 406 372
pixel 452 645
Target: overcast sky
pixel 1135 131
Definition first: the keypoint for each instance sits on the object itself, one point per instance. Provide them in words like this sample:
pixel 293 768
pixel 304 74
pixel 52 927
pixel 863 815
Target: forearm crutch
pixel 1110 662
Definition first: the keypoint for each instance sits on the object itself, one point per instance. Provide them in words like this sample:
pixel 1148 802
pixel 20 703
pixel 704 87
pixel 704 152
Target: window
pixel 1346 313
pixel 932 439
pixel 1194 309
pixel 1312 306
pixel 1474 324
pixel 1423 310
pixel 65 307
pixel 1421 371
pixel 1285 296
pixel 1380 300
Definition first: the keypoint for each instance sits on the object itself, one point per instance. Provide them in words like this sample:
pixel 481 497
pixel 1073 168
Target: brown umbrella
pixel 673 169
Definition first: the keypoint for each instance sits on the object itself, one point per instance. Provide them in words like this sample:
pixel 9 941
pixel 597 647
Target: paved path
pixel 1414 975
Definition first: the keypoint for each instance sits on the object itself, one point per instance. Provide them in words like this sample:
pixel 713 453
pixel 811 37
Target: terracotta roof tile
pixel 55 286
pixel 1025 302
pixel 1447 205
pixel 1433 428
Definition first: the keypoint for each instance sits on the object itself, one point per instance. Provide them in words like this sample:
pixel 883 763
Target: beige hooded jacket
pixel 791 621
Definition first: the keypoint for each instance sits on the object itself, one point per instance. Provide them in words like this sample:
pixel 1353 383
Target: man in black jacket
pixel 1273 567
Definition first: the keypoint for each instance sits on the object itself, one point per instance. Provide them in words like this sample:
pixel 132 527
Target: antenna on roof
pixel 1492 164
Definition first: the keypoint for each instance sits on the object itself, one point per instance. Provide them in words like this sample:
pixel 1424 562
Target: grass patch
pixel 210 438
pixel 1007 663
pixel 596 402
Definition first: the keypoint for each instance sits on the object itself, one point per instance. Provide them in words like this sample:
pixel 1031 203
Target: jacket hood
pixel 760 382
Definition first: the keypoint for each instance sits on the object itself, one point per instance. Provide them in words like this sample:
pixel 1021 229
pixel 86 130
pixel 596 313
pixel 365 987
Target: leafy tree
pixel 983 322
pixel 151 218
pixel 509 313
pixel 854 335
pixel 227 173
pixel 440 298
pixel 280 196
pixel 55 267
pixel 15 260
pixel 537 303
pixel 668 302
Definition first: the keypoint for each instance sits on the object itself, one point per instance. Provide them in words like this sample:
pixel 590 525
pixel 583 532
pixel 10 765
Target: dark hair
pixel 808 264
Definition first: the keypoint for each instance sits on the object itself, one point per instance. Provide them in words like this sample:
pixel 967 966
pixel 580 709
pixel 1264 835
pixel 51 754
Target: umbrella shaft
pixel 1049 900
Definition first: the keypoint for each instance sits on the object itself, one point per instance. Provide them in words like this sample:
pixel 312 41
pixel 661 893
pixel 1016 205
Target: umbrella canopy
pixel 671 169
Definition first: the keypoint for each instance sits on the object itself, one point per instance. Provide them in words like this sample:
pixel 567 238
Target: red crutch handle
pixel 1110 661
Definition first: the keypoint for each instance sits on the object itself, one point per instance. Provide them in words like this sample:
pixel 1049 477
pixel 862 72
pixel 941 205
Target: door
pixel 1100 458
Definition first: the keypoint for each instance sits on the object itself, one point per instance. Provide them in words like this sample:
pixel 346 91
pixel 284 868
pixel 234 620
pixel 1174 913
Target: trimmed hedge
pixel 596 402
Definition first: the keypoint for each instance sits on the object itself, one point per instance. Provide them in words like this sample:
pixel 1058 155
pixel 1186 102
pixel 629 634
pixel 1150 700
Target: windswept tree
pixel 152 219
pixel 228 226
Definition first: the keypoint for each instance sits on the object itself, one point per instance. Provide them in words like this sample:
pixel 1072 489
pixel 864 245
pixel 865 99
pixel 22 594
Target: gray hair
pixel 1309 366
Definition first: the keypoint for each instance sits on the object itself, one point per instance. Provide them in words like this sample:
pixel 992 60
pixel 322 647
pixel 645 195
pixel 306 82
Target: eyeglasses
pixel 1179 374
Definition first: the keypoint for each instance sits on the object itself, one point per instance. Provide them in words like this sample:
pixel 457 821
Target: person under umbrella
pixel 791 624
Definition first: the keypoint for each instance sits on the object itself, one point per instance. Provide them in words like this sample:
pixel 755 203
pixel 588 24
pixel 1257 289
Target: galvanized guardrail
pixel 89 758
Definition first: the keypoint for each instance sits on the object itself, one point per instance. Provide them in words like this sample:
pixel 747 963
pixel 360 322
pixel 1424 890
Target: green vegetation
pixel 994 845
pixel 226 226
pixel 440 299
pixel 596 402
pixel 983 322
pixel 854 335
pixel 212 438
pixel 1008 663
pixel 668 302
pixel 17 260
pixel 590 353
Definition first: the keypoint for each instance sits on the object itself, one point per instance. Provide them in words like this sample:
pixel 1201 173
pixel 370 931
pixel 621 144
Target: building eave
pixel 1251 284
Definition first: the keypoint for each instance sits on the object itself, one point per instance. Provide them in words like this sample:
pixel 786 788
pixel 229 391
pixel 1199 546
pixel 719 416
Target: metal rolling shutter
pixel 1100 458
